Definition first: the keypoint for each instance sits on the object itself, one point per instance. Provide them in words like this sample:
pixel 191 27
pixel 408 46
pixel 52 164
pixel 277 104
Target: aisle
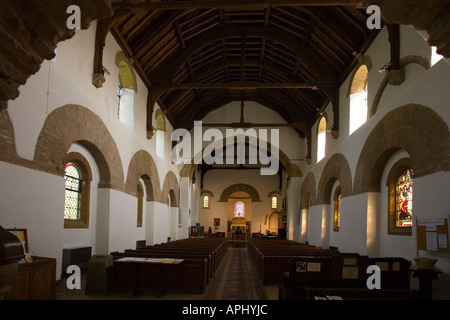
pixel 236 279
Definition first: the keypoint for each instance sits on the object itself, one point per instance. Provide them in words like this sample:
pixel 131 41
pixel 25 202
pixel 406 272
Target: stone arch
pixel 71 124
pixel 207 193
pixel 292 169
pixel 7 137
pixel 172 189
pixel 187 171
pixel 270 219
pixel 274 193
pixel 418 130
pixel 403 63
pixel 308 192
pixel 336 168
pixel 252 192
pixel 143 166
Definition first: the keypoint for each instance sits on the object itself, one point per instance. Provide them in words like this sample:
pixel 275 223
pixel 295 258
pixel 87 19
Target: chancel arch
pixel 251 191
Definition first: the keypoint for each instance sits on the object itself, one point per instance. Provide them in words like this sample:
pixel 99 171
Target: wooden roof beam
pixel 234 5
pixel 246 85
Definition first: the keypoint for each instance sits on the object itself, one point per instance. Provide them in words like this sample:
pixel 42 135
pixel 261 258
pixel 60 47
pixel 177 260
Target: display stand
pixel 432 235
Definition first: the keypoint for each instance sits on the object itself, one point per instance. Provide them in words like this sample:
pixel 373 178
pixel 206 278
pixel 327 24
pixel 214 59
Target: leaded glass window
pixel 404 192
pixel 358 99
pixel 140 204
pixel 73 182
pixel 321 139
pixel 274 202
pixel 206 202
pixel 337 209
pixel 239 209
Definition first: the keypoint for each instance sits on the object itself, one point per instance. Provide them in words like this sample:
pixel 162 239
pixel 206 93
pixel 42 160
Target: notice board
pixel 432 234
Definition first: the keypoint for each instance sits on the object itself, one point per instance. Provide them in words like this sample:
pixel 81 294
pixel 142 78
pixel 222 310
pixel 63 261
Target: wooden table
pixel 138 262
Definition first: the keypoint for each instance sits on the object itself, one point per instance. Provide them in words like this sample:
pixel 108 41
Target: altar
pixel 239 229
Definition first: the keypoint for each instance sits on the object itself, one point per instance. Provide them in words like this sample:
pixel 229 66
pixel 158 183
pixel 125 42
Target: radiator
pixel 79 256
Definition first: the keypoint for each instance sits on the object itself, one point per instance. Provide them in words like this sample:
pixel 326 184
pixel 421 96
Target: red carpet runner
pixel 236 279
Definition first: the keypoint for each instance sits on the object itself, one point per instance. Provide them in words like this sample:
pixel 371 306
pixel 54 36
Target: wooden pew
pixel 173 254
pixel 345 274
pixel 394 272
pixel 201 258
pixel 271 257
pixel 362 294
pixel 307 272
pixel 216 248
pixel 188 276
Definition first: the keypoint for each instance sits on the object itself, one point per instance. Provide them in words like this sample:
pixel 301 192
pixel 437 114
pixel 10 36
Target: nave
pixel 235 279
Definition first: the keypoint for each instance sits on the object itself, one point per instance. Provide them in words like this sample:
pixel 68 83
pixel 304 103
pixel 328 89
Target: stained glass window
pixel 206 202
pixel 404 196
pixel 73 192
pixel 337 209
pixel 140 205
pixel 274 202
pixel 239 209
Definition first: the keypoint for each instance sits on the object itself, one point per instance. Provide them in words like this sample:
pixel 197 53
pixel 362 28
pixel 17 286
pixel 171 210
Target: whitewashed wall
pixel 364 217
pixel 217 181
pixel 35 200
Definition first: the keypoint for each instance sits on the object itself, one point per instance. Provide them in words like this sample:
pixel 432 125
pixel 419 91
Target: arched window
pixel 400 188
pixel 140 204
pixel 205 197
pixel 239 209
pixel 74 184
pixel 77 178
pixel 321 138
pixel 205 202
pixel 126 88
pixel 274 202
pixel 337 208
pixel 404 199
pixel 160 132
pixel 358 99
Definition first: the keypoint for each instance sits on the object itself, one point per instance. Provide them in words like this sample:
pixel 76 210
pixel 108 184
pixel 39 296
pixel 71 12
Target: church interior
pixel 178 147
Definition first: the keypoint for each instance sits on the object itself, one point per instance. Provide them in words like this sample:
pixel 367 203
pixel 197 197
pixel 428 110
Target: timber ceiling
pixel 196 58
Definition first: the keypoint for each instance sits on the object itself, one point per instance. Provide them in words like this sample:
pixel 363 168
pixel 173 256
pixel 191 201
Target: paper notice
pixel 431 241
pixel 442 239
